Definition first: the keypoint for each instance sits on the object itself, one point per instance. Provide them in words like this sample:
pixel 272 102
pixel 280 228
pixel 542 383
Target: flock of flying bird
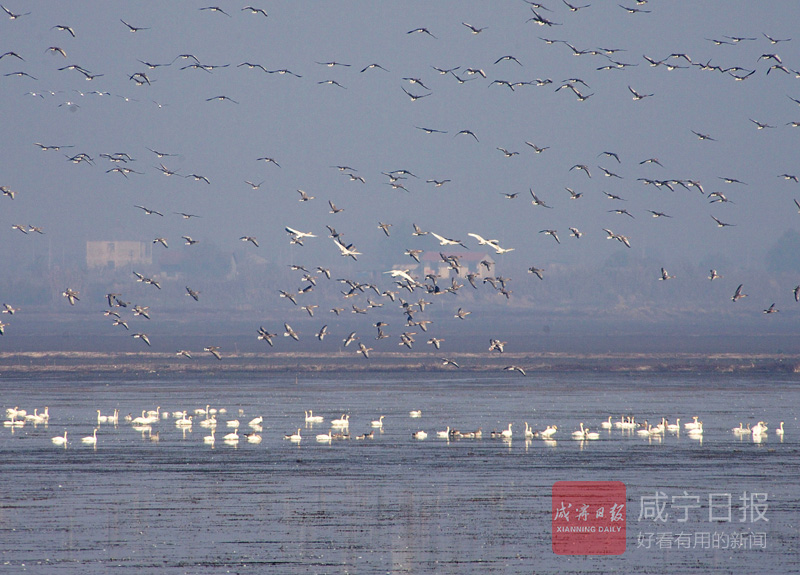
pixel 405 287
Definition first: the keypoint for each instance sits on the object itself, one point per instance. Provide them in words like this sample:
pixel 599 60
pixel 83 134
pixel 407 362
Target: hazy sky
pixel 368 123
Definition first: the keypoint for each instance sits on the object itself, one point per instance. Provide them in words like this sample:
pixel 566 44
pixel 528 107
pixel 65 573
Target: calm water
pixel 391 504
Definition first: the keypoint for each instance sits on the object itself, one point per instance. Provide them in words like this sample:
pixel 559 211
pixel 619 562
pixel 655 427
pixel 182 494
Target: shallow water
pixel 389 504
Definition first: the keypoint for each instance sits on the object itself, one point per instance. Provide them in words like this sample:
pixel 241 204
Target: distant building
pixel 468 262
pixel 118 254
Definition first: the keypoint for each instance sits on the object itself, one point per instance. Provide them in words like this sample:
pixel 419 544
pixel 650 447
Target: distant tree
pixel 784 255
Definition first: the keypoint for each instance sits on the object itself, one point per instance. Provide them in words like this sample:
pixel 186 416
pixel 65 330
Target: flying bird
pixel 216 9
pixel 253 10
pixel 213 350
pixel 289 332
pixel 443 241
pixel 665 275
pixel 474 29
pixel 141 336
pixel 637 95
pixel 132 28
pixel 421 31
pixel 71 295
pixel 738 294
pixel 551 233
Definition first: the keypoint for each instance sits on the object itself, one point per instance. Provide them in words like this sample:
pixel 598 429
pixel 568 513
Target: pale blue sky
pixel 371 125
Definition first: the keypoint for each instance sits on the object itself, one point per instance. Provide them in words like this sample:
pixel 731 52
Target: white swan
pixel 256 421
pixel 378 422
pixel 90 439
pixel 36 418
pixel 741 430
pixel 232 437
pixel 693 424
pixel 209 423
pixel 592 434
pixel 674 427
pixel 142 419
pixel 549 431
pixel 311 418
pixel 343 422
pixel 415 413
pixel 607 424
pixel 180 414
pixel 234 423
pixel 697 431
pixel 184 422
pixel 443 434
pixel 253 437
pixel 294 436
pixel 419 435
pixel 507 433
pixel 580 433
pixel 528 430
pixel 779 431
pixel 760 428
pixel 60 439
pixel 325 437
pixel 209 438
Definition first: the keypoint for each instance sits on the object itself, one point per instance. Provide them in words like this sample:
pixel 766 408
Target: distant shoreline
pixel 22 364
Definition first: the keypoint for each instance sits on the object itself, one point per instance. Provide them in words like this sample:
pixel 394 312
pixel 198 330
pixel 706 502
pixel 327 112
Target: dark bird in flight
pixel 132 28
pixel 216 9
pixel 421 31
pixel 721 224
pixel 64 29
pixel 468 133
pixel 149 212
pixel 703 136
pixel 738 294
pixel 581 167
pixel 637 95
pixel 474 29
pixel 253 10
pixel 12 15
pixel 415 97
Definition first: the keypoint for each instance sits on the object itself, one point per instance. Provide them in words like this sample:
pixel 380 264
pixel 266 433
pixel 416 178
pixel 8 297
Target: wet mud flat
pixel 99 363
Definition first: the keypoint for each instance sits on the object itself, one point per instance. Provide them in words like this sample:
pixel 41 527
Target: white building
pixel 118 254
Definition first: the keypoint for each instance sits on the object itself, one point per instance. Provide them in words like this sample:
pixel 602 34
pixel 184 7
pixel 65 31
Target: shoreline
pixel 53 363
